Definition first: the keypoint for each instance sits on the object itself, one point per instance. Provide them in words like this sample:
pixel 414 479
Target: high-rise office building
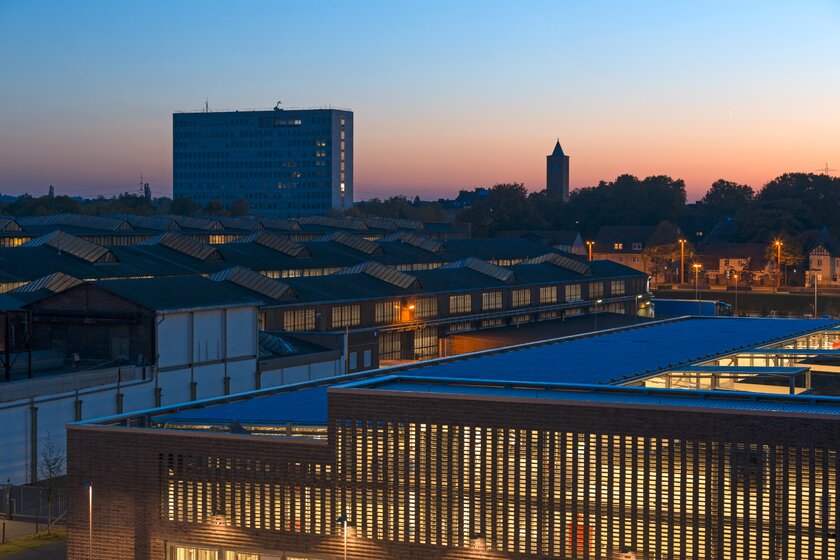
pixel 281 162
pixel 557 173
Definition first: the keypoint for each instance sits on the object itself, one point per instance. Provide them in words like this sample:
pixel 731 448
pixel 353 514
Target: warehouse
pixel 542 450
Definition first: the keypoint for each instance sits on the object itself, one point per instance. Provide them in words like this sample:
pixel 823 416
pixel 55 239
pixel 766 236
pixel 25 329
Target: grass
pixel 32 541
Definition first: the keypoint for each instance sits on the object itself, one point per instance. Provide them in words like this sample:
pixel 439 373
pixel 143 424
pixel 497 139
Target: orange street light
pixel 778 245
pixel 590 244
pixel 682 261
pixel 736 294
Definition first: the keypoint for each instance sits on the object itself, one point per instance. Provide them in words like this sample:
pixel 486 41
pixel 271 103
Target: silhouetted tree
pixel 726 198
pixel 239 208
pixel 183 206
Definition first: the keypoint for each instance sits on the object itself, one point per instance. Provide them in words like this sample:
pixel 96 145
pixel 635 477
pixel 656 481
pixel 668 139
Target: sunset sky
pixel 446 95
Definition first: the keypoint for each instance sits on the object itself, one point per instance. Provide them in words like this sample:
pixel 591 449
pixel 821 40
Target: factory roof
pixel 587 361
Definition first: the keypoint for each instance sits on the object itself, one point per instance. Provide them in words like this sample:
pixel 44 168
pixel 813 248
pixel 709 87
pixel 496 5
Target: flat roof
pixel 593 360
pixel 635 396
pixel 621 355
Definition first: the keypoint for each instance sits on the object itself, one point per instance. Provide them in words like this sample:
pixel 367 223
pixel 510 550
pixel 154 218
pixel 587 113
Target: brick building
pixel 542 451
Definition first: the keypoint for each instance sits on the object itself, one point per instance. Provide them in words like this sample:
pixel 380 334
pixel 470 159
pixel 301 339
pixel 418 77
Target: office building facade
pixel 285 163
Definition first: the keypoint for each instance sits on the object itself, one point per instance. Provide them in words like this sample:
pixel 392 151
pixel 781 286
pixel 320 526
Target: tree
pixel 726 198
pixel 215 208
pixel 506 208
pixel 239 208
pixel 183 206
pixel 51 467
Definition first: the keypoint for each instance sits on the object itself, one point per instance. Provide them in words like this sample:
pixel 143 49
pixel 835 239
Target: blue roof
pixel 608 358
pixel 636 396
pixel 587 360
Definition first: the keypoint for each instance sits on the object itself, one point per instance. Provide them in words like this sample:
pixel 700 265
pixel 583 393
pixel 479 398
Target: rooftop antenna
pixel 825 170
pixel 277 107
pixel 206 105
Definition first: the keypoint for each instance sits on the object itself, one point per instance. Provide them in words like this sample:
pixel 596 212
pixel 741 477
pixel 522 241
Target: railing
pixel 33 503
pixel 72 381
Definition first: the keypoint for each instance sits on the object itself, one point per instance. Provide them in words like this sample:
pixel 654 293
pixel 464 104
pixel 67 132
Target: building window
pixel 573 292
pixel 299 320
pixel 637 246
pixel 617 288
pixel 490 323
pixel 425 343
pixel 618 246
pixel 519 319
pixel 460 304
pixel 547 315
pixel 425 308
pixel 192 553
pixel 390 346
pixel 520 298
pixel 548 294
pixel 596 290
pixel 388 311
pixel 460 327
pixel 345 316
pixel 491 301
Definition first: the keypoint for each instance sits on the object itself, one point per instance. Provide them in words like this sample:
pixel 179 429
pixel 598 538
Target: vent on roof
pixel 275 243
pixel 72 245
pixel 275 345
pixel 384 273
pixel 56 283
pixel 562 262
pixel 192 222
pixel 77 220
pixel 353 242
pixel 9 224
pixel 255 282
pixel 485 268
pixel 157 223
pixel 277 223
pixel 240 223
pixel 392 224
pixel 416 240
pixel 338 223
pixel 184 245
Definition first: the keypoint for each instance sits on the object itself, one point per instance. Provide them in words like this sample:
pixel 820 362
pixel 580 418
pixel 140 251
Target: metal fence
pixel 33 503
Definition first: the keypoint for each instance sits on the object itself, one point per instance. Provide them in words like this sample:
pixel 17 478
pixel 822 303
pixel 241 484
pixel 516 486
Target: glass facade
pixel 282 162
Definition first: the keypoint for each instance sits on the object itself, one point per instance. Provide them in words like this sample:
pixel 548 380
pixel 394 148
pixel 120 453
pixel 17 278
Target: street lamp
pixel 682 261
pixel 590 244
pixel 696 289
pixel 345 523
pixel 89 487
pixel 778 245
pixel 736 294
pixel 597 303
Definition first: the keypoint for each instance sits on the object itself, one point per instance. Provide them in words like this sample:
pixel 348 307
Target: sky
pixel 446 95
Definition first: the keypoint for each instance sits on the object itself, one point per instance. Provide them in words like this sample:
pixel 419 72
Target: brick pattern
pixel 538 467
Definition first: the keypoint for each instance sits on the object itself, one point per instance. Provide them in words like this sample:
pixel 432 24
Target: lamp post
pixel 696 288
pixel 597 303
pixel 89 487
pixel 344 522
pixel 682 261
pixel 590 244
pixel 736 294
pixel 778 245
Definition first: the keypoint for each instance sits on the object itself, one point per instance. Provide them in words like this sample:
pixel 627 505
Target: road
pixel 54 551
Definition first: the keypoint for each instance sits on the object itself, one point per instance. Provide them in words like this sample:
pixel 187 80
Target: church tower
pixel 557 173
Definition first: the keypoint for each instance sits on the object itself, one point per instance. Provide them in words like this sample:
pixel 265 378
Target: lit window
pixel 388 311
pixel 618 246
pixel 596 290
pixel 617 288
pixel 491 301
pixel 573 292
pixel 345 316
pixel 548 294
pixel 299 320
pixel 460 304
pixel 520 298
pixel 425 308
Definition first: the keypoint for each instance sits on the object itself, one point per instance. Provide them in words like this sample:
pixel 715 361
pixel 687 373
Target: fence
pixel 33 503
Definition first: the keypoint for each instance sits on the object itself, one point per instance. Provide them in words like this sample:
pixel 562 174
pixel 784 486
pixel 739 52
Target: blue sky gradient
pixel 446 95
